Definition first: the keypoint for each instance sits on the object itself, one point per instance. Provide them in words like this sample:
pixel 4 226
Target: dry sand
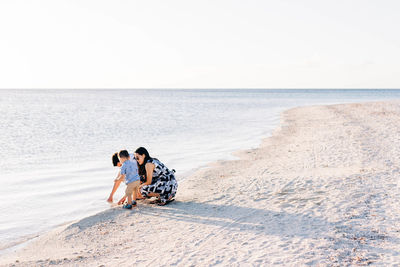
pixel 323 191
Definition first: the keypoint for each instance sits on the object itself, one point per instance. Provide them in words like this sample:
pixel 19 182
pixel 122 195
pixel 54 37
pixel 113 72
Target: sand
pixel 323 191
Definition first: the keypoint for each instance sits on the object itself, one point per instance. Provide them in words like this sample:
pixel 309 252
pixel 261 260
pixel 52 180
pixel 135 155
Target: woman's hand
pixel 140 186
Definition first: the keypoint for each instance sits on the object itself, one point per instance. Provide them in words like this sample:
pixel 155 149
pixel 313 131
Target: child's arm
pixel 120 178
pixel 114 189
pixel 122 200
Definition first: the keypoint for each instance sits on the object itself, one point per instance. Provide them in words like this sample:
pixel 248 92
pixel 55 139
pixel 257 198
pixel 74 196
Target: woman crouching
pixel 160 181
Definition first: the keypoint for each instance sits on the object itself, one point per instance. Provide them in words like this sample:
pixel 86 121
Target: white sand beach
pixel 323 190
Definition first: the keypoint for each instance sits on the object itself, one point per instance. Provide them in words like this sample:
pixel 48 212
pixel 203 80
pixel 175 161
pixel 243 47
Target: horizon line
pixel 194 88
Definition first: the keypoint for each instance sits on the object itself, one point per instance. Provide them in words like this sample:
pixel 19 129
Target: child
pixel 129 173
pixel 116 163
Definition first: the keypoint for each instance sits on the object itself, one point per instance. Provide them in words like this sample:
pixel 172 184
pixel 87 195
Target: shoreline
pixel 276 204
pixel 22 241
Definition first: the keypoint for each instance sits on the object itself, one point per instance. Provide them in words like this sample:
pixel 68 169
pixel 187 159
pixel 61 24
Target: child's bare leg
pixel 130 199
pixel 135 194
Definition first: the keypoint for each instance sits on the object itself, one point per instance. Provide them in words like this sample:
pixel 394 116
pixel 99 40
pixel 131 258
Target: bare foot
pixel 110 199
pixel 155 201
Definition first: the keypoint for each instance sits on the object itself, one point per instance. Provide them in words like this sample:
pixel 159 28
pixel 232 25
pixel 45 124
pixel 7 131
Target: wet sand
pixel 323 190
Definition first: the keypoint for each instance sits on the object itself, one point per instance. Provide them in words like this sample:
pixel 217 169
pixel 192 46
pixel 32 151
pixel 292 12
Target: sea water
pixel 56 145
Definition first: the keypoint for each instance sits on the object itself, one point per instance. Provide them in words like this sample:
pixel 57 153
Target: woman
pixel 160 181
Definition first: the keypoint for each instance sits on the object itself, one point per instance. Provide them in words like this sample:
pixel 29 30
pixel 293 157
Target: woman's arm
pixel 149 173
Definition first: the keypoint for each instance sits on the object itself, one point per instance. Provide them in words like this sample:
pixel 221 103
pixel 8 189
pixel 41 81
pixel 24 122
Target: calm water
pixel 56 145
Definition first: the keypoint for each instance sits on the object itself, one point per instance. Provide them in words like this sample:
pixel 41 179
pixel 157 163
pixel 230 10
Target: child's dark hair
pixel 123 154
pixel 115 159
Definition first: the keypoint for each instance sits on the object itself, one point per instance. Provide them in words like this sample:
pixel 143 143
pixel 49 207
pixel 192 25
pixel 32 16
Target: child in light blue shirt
pixel 129 173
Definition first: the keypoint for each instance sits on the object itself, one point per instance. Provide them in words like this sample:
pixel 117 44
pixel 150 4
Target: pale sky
pixel 199 44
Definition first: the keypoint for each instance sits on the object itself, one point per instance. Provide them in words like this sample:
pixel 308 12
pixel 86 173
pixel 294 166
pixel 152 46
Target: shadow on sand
pixel 340 235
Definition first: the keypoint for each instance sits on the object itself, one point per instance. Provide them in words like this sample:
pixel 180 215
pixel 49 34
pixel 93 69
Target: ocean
pixel 56 145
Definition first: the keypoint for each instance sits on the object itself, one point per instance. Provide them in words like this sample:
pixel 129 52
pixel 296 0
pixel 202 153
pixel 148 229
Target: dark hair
pixel 143 151
pixel 123 154
pixel 115 159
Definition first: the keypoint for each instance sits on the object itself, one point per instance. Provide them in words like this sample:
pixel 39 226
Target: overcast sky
pixel 199 44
